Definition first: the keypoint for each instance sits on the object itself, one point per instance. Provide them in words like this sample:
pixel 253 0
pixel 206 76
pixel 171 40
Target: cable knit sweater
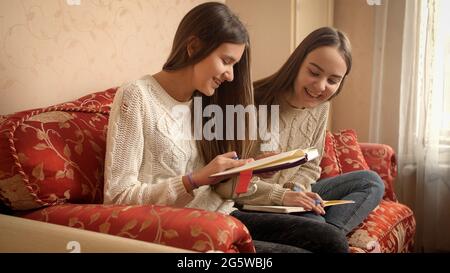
pixel 299 128
pixel 149 148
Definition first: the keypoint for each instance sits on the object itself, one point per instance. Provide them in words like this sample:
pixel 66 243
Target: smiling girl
pixel 150 159
pixel 303 87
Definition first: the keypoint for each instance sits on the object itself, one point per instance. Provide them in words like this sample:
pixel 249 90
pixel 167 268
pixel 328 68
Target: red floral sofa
pixel 51 170
pixel 391 226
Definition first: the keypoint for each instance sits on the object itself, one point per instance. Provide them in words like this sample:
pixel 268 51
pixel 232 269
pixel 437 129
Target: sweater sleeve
pixel 125 155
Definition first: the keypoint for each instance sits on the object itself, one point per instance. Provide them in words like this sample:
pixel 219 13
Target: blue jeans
pixel 269 247
pixel 364 187
pixel 297 234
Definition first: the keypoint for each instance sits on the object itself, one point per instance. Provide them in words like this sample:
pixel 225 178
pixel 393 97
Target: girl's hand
pixel 267 174
pixel 220 163
pixel 307 200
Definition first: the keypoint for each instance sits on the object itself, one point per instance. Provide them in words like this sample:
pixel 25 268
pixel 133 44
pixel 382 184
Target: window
pixel 443 53
pixel 445 134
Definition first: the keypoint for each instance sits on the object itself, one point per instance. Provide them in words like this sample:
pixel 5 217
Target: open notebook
pixel 276 162
pixel 284 209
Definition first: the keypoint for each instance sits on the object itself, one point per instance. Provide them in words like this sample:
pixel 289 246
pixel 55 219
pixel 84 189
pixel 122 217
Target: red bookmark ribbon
pixel 243 181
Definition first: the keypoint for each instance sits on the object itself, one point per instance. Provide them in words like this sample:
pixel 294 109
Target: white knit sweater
pixel 299 128
pixel 149 148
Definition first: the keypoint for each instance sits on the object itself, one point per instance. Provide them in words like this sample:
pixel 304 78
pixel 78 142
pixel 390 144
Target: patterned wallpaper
pixel 53 51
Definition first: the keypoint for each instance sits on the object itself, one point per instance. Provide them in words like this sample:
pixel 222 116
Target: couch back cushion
pixel 342 154
pixel 55 154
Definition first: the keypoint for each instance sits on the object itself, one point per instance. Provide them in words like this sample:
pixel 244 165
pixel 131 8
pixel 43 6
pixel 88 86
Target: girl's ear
pixel 193 45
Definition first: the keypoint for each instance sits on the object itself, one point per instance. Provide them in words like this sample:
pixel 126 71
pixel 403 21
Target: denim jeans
pixel 269 247
pixel 293 231
pixel 364 187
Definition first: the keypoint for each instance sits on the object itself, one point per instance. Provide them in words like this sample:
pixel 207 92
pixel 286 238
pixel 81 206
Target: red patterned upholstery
pixel 55 155
pixel 52 160
pixel 193 229
pixel 381 159
pixel 342 154
pixel 329 164
pixel 391 226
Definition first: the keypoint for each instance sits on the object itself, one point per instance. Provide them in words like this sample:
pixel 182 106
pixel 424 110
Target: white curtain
pixel 424 131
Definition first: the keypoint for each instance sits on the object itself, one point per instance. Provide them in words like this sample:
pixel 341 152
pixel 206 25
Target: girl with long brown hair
pixel 151 158
pixel 312 76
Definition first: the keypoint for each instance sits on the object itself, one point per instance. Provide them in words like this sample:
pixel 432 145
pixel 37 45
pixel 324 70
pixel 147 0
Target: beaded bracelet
pixel 191 181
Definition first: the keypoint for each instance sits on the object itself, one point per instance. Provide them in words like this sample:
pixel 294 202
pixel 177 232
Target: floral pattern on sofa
pixel 54 159
pixel 197 230
pixel 60 157
pixel 391 226
pixel 52 162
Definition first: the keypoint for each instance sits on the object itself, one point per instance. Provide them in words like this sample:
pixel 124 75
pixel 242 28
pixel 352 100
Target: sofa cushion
pixel 341 154
pixel 56 154
pixel 391 225
pixel 186 228
pixel 381 159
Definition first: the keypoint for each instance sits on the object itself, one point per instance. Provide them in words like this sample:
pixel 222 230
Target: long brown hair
pixel 269 89
pixel 213 24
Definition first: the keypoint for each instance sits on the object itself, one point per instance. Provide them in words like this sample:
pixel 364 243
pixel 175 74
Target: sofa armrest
pixel 185 228
pixel 381 159
pixel 21 235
